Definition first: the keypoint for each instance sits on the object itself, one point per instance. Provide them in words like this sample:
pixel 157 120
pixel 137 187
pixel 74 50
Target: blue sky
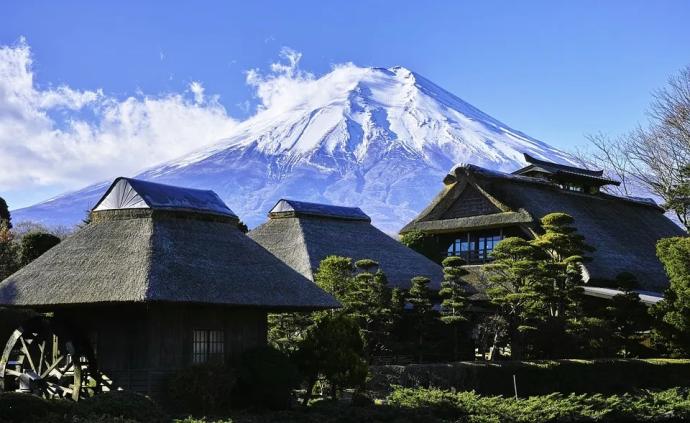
pixel 554 70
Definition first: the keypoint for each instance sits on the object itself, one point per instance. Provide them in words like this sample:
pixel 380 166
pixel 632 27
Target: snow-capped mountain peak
pixel 378 138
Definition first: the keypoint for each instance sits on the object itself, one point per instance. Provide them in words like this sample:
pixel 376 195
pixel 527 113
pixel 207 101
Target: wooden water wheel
pixel 46 357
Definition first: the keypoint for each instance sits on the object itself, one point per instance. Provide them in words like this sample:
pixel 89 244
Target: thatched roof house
pixel 149 242
pixel 302 234
pixel 478 207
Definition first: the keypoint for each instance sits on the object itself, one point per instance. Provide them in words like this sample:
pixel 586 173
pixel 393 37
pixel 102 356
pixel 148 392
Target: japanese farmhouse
pixel 160 279
pixel 478 207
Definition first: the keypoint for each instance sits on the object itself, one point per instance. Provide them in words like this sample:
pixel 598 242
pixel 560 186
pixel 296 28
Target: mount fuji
pixel 380 139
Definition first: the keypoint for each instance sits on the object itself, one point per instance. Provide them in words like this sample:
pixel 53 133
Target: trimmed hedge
pixel 536 378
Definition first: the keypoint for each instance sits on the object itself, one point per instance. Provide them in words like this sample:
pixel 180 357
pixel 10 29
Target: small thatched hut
pixel 302 234
pixel 161 278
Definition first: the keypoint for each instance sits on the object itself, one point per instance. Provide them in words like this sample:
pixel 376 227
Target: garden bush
pixel 119 405
pixel 19 408
pixel 266 378
pixel 201 390
pixel 536 378
pixel 669 405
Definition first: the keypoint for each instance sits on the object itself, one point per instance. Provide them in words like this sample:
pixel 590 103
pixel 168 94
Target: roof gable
pixel 470 202
pixel 128 193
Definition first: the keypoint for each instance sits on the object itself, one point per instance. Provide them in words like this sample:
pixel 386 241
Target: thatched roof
pixel 556 170
pixel 624 231
pixel 302 239
pixel 161 253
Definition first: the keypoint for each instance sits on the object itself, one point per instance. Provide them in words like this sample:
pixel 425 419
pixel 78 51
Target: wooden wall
pixel 138 347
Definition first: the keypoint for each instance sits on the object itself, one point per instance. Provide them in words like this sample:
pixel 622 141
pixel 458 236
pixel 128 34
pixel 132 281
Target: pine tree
pixel 627 315
pixel 5 214
pixel 34 244
pixel 454 294
pixel 512 275
pixel 422 314
pixel 9 259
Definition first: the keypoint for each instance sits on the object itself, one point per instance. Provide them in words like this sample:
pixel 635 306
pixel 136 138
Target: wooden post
pixel 515 387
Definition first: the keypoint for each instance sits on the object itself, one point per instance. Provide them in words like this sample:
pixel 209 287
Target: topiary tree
pixel 5 214
pixel 422 314
pixel 454 298
pixel 627 315
pixel 672 314
pixel 334 349
pixel 34 244
pixel 511 277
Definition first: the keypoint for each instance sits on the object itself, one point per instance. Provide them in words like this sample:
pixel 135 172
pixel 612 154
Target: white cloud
pixel 64 137
pixel 198 90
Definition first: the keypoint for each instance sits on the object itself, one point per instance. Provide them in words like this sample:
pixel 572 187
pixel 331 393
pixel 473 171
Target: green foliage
pixel 536 377
pixel 422 314
pixel 242 227
pixel 454 298
pixel 20 408
pixel 5 214
pixel 537 287
pixel 34 244
pixel 672 314
pixel 201 389
pixel 286 330
pixel 627 315
pixel 122 404
pixel 422 243
pixel 9 259
pixel 335 275
pixel 334 350
pixel 670 405
pixel 266 378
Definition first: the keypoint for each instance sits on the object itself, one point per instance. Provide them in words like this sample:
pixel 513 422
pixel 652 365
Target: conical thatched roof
pixel 176 245
pixel 302 234
pixel 623 230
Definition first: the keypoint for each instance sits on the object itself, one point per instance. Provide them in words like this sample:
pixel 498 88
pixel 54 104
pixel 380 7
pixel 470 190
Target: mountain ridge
pixel 377 138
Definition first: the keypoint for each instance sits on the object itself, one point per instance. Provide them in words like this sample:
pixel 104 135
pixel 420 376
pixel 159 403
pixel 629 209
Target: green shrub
pixel 536 378
pixel 201 389
pixel 266 378
pixel 15 407
pixel 670 405
pixel 120 404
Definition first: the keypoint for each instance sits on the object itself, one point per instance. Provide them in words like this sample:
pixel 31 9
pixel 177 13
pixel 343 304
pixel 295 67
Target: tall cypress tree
pixel 454 294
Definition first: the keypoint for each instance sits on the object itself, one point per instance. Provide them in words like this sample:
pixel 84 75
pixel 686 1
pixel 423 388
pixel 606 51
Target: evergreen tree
pixel 334 349
pixel 34 244
pixel 512 276
pixel 422 314
pixel 672 314
pixel 5 214
pixel 627 315
pixel 9 260
pixel 335 275
pixel 454 298
pixel 286 330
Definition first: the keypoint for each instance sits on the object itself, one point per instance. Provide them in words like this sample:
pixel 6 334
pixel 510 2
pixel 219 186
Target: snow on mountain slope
pixel 380 139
